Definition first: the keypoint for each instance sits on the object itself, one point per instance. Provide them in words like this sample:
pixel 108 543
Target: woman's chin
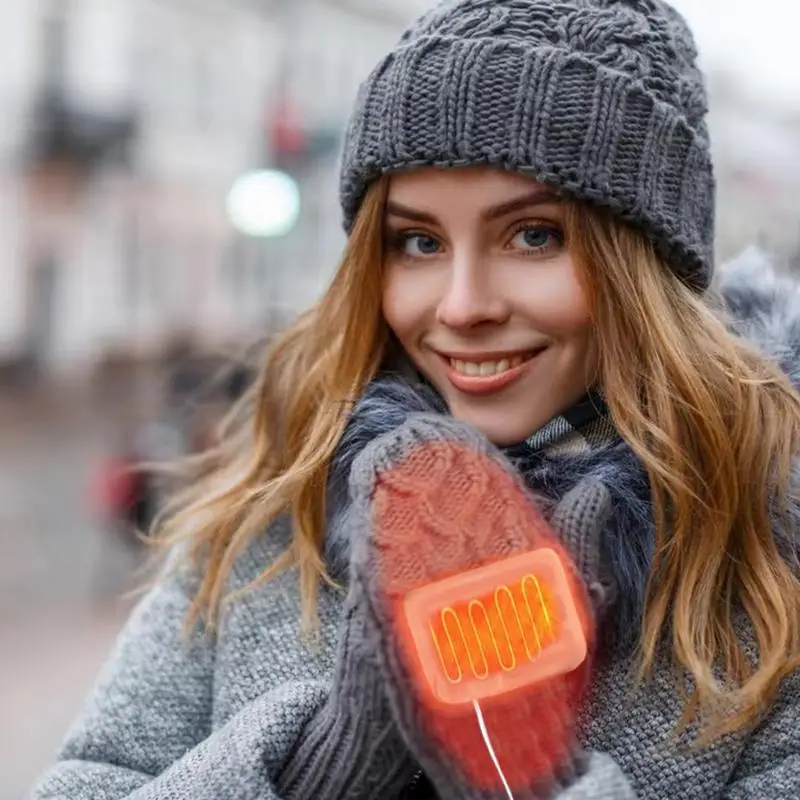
pixel 496 425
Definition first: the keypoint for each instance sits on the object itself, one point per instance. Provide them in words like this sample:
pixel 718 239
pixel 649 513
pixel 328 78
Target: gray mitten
pixel 352 748
pixel 434 499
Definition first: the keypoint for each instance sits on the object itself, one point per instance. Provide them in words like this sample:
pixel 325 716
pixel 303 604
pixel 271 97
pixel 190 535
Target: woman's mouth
pixel 482 375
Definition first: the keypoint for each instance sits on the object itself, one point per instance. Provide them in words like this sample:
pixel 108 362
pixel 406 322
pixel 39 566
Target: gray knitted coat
pixel 216 720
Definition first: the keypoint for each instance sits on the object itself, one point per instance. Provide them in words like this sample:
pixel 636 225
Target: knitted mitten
pixel 352 748
pixel 431 500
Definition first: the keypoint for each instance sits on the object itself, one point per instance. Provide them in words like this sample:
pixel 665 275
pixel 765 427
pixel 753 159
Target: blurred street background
pixel 168 196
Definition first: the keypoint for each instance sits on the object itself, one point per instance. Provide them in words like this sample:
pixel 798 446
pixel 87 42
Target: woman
pixel 518 352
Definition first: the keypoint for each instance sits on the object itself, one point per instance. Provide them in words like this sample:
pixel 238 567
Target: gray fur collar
pixel 758 302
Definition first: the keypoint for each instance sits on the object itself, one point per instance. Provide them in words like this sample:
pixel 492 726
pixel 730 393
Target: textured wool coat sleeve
pixel 769 768
pixel 603 780
pixel 146 734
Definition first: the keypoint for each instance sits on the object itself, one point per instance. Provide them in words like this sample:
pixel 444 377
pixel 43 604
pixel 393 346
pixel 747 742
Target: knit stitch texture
pixel 600 98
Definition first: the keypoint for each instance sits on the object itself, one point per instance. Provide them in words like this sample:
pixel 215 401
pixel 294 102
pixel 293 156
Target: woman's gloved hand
pixel 352 748
pixel 433 499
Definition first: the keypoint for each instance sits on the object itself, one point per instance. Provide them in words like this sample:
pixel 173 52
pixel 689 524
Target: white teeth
pixel 486 368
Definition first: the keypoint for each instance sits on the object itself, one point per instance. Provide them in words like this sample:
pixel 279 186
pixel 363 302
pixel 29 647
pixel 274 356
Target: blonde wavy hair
pixel 716 426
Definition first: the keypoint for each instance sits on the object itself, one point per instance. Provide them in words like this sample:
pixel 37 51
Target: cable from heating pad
pixel 482 724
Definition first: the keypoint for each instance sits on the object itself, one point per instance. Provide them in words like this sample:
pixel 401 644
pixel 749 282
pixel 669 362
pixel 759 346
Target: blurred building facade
pixel 126 122
pixel 757 149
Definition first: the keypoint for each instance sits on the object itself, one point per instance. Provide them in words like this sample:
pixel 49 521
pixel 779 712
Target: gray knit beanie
pixel 602 98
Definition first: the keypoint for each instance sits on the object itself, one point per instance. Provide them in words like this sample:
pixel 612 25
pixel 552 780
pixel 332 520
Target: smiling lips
pixel 483 376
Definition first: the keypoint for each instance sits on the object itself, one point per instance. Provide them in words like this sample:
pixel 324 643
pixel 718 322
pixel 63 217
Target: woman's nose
pixel 471 297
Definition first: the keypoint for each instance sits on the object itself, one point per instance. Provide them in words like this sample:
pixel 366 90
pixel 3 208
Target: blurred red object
pixel 114 487
pixel 285 129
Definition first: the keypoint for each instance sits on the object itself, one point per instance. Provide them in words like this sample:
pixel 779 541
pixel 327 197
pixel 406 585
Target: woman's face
pixel 482 293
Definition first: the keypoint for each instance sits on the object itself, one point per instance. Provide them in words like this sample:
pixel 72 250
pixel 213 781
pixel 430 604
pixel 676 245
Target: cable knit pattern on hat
pixel 601 98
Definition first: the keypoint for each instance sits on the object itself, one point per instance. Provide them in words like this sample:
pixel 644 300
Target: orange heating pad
pixel 495 629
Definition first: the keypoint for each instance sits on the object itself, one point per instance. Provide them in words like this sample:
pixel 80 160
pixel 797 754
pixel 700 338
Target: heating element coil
pixel 493 629
pixel 514 624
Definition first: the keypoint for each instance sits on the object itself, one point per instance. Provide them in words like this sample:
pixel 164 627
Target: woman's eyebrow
pixel 538 197
pixel 395 209
pixel 535 198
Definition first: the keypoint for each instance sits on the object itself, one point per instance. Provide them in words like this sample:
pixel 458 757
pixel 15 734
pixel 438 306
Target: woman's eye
pixel 417 245
pixel 537 238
